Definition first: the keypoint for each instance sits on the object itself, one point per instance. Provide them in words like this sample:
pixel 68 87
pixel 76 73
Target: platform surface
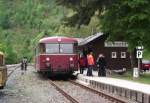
pixel 144 88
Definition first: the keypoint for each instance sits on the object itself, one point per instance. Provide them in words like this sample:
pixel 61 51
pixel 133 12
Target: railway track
pixel 110 98
pixel 12 70
pixel 70 98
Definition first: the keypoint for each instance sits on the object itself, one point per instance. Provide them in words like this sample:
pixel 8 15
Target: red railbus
pixel 56 55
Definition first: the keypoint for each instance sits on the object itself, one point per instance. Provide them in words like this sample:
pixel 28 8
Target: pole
pixel 138 71
pixel 139 63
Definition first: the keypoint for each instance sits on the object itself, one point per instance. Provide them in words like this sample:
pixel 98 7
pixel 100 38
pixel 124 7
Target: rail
pixel 107 96
pixel 15 67
pixel 63 93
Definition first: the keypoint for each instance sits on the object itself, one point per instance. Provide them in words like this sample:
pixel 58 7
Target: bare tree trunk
pixel 133 58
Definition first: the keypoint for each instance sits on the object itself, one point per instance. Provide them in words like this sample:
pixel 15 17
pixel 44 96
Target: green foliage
pixel 128 20
pixel 4 16
pixel 10 56
pixel 2 47
pixel 146 54
pixel 144 78
pixel 83 31
pixel 24 22
pixel 21 21
pixel 84 10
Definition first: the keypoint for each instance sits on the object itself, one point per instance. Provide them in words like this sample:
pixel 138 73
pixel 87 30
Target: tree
pixel 4 16
pixel 10 55
pixel 130 20
pixel 23 21
pixel 126 19
pixel 83 10
pixel 2 47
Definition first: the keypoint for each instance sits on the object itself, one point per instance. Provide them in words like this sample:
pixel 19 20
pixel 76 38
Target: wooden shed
pixel 116 54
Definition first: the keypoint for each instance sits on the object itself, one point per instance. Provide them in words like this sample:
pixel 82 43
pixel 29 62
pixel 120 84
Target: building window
pixel 123 54
pixel 114 54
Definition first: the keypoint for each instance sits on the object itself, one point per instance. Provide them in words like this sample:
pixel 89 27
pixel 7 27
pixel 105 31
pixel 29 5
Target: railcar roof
pixel 57 39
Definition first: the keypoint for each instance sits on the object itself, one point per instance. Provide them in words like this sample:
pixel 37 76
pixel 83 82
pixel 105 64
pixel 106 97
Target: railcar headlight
pixel 71 59
pixel 47 59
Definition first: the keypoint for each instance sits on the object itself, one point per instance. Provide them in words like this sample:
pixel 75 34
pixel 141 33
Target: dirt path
pixel 29 88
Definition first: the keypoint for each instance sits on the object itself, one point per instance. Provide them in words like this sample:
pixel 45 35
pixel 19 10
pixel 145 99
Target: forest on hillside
pixel 24 22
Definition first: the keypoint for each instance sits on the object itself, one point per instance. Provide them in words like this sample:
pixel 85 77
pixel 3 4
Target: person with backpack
pixel 101 65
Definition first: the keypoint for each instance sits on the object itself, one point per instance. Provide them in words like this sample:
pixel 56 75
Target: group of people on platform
pixel 88 62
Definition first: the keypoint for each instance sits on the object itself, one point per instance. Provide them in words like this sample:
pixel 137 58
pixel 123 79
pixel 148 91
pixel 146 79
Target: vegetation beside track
pixel 146 54
pixel 144 77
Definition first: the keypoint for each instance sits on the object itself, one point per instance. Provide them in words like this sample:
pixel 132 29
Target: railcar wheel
pixel 39 72
pixel 71 72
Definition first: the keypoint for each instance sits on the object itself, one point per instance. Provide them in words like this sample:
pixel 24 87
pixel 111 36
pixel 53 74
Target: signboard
pixel 115 44
pixel 139 54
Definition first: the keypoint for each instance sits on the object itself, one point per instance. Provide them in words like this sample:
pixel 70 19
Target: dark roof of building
pixel 90 38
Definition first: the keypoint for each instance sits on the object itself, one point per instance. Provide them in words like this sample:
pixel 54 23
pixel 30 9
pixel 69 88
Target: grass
pixel 143 78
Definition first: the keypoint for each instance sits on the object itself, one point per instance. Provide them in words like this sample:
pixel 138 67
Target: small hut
pixel 116 54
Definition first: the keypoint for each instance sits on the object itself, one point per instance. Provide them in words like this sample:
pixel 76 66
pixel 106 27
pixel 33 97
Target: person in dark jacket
pixel 101 64
pixel 24 63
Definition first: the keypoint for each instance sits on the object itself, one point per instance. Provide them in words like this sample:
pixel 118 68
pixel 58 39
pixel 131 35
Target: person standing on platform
pixel 101 64
pixel 82 64
pixel 90 62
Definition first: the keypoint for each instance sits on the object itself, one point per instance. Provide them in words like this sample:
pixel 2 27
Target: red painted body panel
pixel 59 63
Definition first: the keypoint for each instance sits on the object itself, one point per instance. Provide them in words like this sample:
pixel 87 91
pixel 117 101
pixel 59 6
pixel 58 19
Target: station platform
pixel 132 90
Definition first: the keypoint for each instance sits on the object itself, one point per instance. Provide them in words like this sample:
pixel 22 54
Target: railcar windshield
pixel 58 48
pixel 51 48
pixel 66 48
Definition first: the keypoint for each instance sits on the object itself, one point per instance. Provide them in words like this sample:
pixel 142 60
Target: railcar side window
pixel 41 48
pixel 52 48
pixel 66 48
